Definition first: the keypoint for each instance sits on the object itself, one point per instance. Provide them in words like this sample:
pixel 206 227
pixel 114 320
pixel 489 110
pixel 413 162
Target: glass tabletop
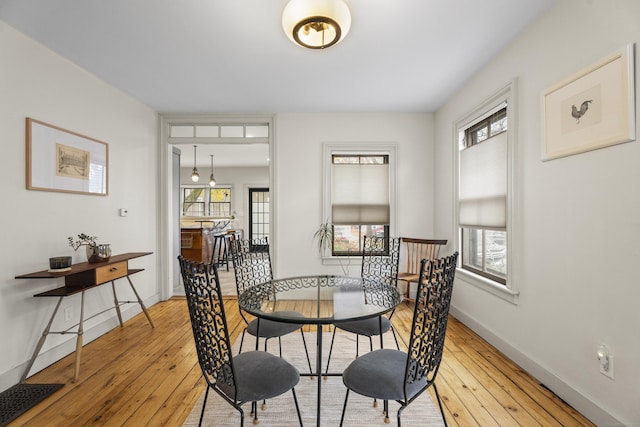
pixel 319 299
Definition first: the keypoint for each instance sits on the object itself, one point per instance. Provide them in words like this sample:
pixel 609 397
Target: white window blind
pixel 360 194
pixel 482 201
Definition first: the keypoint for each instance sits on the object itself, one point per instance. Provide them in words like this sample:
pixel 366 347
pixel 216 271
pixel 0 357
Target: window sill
pixel 494 288
pixel 345 263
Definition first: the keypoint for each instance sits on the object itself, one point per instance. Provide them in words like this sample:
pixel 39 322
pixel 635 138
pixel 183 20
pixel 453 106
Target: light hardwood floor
pixel 135 376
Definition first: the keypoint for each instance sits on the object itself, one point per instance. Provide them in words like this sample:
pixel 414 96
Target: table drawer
pixel 111 272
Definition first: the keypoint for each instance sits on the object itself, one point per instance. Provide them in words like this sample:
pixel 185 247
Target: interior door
pixel 259 213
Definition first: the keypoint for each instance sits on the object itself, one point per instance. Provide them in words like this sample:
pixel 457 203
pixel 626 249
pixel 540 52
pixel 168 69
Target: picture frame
pixel 592 109
pixel 64 161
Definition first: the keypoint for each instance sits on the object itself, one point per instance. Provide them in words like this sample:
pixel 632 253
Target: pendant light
pixel 212 180
pixel 195 176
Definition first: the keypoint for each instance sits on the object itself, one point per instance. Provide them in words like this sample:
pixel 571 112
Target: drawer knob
pixel 113 269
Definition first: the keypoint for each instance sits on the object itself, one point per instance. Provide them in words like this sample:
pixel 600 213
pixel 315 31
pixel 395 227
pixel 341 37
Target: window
pixel 193 201
pixel 258 213
pixel 485 175
pixel 206 201
pixel 359 200
pixel 482 196
pixel 220 202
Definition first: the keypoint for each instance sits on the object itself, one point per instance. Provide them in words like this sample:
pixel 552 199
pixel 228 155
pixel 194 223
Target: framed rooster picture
pixel 592 109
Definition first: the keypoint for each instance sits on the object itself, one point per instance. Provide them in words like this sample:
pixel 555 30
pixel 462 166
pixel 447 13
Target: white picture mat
pixel 43 144
pixel 607 88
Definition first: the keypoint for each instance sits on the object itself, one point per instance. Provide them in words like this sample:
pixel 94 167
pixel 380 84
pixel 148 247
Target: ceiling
pixel 232 56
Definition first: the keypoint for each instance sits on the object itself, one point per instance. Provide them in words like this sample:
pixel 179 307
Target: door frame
pixel 165 264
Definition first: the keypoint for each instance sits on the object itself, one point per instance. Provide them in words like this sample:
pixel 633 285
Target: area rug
pixel 18 399
pixel 280 412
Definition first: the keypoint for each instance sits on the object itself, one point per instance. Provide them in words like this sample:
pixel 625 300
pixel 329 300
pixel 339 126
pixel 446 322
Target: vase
pixel 98 253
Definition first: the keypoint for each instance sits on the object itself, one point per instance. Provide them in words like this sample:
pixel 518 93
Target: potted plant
pixel 95 252
pixel 324 236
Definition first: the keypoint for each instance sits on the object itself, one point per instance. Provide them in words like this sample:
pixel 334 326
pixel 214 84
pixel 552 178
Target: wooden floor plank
pixel 137 375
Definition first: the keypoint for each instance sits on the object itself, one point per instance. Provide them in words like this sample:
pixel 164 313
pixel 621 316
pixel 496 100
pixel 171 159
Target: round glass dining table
pixel 319 300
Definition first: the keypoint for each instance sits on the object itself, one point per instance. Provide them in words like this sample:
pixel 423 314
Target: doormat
pixel 18 399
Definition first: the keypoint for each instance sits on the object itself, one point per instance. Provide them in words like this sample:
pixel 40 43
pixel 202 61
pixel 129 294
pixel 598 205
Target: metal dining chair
pixel 248 377
pixel 380 261
pixel 403 376
pixel 252 266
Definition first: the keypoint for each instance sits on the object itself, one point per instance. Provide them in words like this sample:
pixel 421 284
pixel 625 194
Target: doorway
pixel 238 142
pixel 259 218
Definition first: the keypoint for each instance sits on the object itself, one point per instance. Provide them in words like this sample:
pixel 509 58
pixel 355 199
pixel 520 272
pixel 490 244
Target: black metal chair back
pixel 380 264
pixel 210 332
pixel 403 376
pixel 251 262
pixel 428 331
pixel 252 266
pixel 381 259
pixel 209 325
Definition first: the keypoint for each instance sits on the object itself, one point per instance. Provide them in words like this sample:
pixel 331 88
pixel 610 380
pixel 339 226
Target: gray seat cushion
pixel 368 327
pixel 260 375
pixel 380 374
pixel 271 328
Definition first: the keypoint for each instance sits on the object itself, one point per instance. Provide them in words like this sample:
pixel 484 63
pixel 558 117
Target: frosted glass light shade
pixel 316 24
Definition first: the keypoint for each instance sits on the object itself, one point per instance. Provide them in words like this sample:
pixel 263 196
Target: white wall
pixel 298 178
pixel 577 222
pixel 35 82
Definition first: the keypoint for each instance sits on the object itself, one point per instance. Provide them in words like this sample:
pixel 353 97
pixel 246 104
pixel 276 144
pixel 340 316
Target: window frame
pixel 206 203
pixel 363 149
pixel 211 203
pixel 361 232
pixel 507 94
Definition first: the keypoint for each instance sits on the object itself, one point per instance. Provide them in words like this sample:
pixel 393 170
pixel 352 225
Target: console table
pixel 78 279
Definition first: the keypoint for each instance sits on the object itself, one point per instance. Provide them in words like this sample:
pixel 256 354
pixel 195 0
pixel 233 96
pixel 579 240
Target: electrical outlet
pixel 606 361
pixel 68 314
pixel 607 370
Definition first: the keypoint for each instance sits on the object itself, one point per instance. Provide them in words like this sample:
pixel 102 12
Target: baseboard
pixel 91 332
pixel 565 391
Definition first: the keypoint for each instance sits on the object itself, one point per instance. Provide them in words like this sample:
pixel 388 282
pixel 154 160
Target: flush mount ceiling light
pixel 316 24
pixel 195 176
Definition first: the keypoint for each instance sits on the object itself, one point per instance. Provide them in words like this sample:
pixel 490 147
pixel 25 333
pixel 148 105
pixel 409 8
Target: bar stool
pixel 219 254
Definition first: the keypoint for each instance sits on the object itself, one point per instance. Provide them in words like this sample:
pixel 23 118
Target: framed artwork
pixel 592 109
pixel 65 161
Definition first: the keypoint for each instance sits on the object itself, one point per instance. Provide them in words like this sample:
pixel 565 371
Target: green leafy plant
pixel 82 240
pixel 324 236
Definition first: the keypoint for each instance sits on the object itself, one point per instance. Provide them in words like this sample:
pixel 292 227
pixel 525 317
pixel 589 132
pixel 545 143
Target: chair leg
pixel 440 404
pixel 395 337
pixel 242 340
pixel 295 399
pixel 344 407
pixel 400 413
pixel 333 337
pixel 279 346
pixel 204 405
pixel 304 342
pixel 255 413
pixel 375 401
pixel 386 412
